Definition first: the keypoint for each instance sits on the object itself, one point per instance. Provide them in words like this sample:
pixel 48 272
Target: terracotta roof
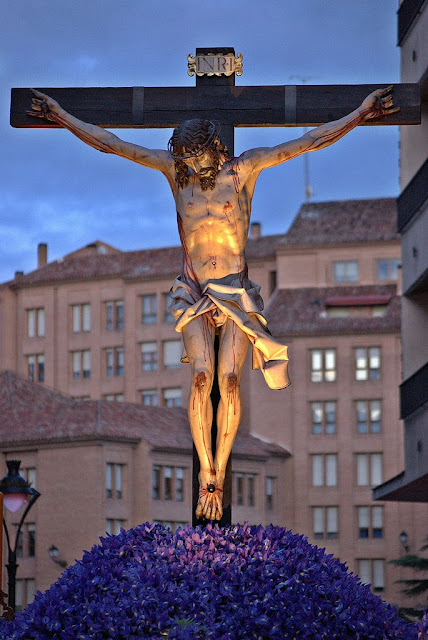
pixel 143 265
pixel 148 264
pixel 344 221
pixel 305 311
pixel 33 413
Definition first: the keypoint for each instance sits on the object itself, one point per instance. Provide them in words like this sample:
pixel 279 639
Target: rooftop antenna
pixel 308 187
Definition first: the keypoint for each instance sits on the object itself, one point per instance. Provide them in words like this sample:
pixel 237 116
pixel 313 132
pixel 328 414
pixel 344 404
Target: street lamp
pixel 404 539
pixel 17 492
pixel 54 554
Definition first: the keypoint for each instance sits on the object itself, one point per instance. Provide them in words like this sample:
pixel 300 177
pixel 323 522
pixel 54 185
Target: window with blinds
pixel 172 354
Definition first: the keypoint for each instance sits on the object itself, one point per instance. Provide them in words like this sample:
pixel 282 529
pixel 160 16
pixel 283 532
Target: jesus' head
pixel 195 144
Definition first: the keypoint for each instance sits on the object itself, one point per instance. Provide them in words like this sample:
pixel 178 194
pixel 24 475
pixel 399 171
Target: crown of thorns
pixel 213 133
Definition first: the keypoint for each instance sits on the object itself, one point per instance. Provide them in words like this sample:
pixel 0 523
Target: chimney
pixel 42 254
pixel 255 230
pixel 18 274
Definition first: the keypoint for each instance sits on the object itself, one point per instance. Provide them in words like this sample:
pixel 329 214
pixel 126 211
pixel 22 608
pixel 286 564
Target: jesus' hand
pixel 379 103
pixel 42 105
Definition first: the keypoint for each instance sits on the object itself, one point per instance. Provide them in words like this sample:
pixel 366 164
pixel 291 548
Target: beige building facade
pixel 95 326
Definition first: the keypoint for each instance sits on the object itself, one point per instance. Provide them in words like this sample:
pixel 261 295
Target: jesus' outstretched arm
pixel 377 104
pixel 43 106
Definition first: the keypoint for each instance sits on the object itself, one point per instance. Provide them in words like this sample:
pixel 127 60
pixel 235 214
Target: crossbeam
pixel 254 106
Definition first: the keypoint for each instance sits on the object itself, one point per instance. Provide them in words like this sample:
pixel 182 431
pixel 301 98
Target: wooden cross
pixel 215 98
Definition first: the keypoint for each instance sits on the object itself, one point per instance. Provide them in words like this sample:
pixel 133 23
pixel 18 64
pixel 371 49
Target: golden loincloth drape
pixel 237 298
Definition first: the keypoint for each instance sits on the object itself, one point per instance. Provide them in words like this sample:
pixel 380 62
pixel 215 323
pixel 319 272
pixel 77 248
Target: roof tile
pixel 344 221
pixel 304 311
pixel 32 412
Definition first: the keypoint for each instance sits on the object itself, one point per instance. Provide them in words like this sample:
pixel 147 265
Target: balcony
pixel 414 392
pixel 412 198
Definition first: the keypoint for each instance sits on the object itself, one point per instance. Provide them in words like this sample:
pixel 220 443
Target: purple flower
pixel 227 584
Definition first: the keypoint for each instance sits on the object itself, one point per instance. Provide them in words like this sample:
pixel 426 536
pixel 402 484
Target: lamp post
pixel 54 554
pixel 404 539
pixel 16 492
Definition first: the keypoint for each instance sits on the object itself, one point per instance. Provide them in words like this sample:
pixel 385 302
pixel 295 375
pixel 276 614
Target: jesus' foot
pixel 210 503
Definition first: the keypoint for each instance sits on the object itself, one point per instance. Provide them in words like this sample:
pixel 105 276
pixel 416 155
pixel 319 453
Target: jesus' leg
pixel 232 353
pixel 198 337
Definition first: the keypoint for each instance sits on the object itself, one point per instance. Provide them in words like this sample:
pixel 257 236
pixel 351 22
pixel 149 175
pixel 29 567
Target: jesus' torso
pixel 213 223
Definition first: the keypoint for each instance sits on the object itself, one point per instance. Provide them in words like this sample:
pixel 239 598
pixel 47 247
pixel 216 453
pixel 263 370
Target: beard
pixel 207 178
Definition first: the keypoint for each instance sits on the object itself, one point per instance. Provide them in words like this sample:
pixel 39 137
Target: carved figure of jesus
pixel 213 294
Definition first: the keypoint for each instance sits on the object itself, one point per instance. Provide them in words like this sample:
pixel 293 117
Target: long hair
pixel 195 137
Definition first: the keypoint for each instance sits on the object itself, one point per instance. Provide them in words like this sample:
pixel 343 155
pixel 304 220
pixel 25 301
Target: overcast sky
pixel 54 189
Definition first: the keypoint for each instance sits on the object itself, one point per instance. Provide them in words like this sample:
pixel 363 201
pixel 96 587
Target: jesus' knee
pixel 229 385
pixel 202 383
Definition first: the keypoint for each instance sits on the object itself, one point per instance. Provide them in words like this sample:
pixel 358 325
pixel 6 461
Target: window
pixel 387 269
pixel 168 483
pixel 179 484
pixel 167 316
pixel 172 397
pixel 113 526
pixel 367 363
pixel 36 367
pixel 156 482
pixel 81 317
pixel 323 417
pixel 115 361
pixel 149 313
pixel 81 362
pixel 325 522
pixel 120 361
pixel 25 592
pixel 20 545
pixel 149 397
pixel 29 473
pixel 31 536
pixel 372 572
pixel 167 477
pixel 368 416
pixel 270 486
pixel 172 354
pixel 149 356
pixel 35 322
pixel 114 397
pixel 323 365
pixel 369 469
pixel 346 271
pixel 26 543
pixel 114 315
pixel 324 470
pixel 370 522
pixel 114 480
pixel 251 479
pixel 244 489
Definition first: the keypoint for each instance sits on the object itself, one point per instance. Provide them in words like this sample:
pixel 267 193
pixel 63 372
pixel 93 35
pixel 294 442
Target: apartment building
pixel 94 325
pixel 412 483
pixel 101 465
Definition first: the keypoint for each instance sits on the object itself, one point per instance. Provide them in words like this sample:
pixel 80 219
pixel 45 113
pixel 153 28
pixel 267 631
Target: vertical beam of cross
pixel 227 135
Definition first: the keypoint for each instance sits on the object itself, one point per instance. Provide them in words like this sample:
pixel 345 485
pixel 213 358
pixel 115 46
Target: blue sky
pixel 54 189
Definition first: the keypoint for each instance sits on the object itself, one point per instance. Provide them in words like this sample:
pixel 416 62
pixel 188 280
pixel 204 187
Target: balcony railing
pixel 413 197
pixel 414 391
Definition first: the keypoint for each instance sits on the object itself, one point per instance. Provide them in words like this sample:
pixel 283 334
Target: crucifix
pixel 217 308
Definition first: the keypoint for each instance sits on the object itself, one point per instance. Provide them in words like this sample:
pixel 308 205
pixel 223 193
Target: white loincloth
pixel 237 298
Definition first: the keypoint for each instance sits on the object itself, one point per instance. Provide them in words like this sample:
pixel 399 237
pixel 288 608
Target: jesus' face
pixel 199 164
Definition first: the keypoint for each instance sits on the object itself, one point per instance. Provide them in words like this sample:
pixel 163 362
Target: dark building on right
pixel 412 205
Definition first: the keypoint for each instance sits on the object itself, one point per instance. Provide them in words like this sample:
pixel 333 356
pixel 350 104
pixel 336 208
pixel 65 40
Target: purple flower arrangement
pixel 238 583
